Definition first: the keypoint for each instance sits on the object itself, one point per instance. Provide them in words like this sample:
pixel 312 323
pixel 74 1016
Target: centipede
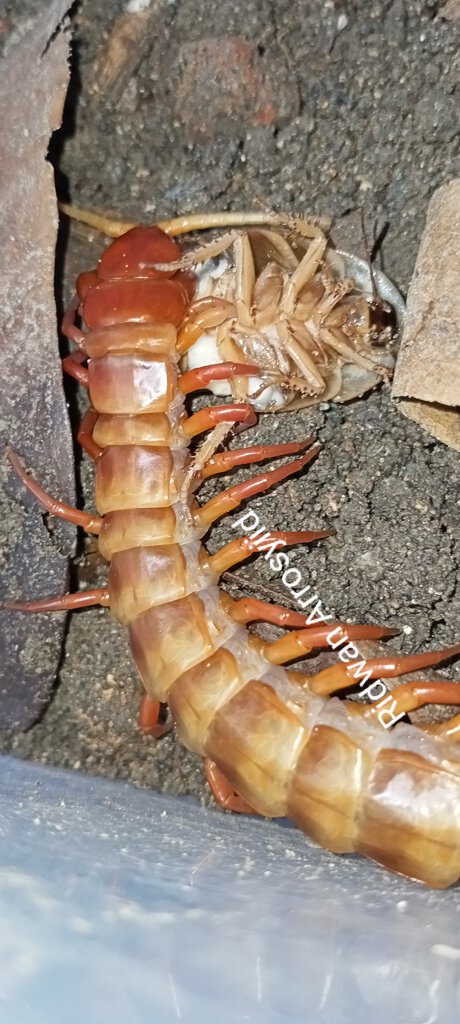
pixel 274 740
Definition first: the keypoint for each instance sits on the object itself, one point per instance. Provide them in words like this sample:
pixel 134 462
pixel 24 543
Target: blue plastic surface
pixel 120 906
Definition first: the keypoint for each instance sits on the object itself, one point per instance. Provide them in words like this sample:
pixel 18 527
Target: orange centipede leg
pixel 229 499
pixel 72 365
pixel 224 461
pixel 237 550
pixel 322 689
pixel 63 603
pixel 410 696
pixel 446 730
pixel 386 666
pixel 151 713
pixel 85 432
pixel 251 609
pixel 296 645
pixel 193 380
pixel 205 419
pixel 90 523
pixel 222 790
pixel 68 325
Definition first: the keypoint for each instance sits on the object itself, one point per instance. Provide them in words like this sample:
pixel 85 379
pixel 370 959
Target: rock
pixel 243 93
pixel 33 414
pixel 428 368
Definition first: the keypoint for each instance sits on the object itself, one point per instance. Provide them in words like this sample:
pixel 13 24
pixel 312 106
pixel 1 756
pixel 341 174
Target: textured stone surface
pixel 429 359
pixel 428 367
pixel 33 415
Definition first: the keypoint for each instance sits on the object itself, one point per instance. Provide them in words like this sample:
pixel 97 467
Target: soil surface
pixel 322 107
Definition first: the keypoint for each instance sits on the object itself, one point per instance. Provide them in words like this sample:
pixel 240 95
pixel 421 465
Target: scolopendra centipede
pixel 274 740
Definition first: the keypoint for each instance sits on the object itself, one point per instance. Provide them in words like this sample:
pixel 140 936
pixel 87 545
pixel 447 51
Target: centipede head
pixel 126 285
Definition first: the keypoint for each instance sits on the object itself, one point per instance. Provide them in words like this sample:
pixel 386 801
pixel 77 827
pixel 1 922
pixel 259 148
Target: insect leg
pixel 90 523
pixel 151 718
pixel 222 790
pixel 446 730
pixel 237 550
pixel 229 499
pixel 85 435
pixel 224 461
pixel 72 365
pixel 387 666
pixel 249 609
pixel 63 603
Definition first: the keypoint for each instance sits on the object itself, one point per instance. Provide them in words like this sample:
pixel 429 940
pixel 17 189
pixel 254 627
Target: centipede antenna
pixel 379 239
pixel 182 225
pixel 375 291
pixel 305 224
pixel 229 499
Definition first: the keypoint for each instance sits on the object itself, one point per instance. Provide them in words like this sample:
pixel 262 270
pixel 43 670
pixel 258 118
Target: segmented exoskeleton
pixel 273 739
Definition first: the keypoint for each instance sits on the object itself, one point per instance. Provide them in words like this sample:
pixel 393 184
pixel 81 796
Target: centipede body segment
pixel 273 740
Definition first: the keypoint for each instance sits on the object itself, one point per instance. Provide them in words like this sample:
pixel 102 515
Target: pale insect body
pixel 303 311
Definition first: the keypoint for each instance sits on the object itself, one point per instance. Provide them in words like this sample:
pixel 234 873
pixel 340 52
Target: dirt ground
pixel 309 106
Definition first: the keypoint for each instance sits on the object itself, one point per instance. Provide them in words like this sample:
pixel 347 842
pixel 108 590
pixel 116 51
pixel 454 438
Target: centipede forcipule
pixel 274 740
